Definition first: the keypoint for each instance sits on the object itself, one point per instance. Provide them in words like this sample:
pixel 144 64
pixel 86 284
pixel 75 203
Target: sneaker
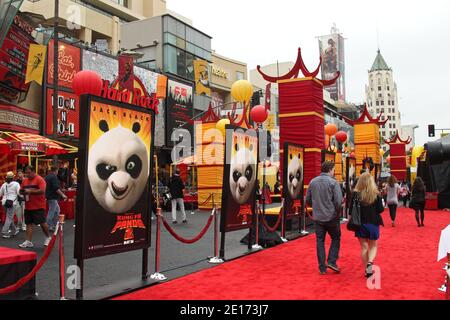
pixel 26 244
pixel 369 270
pixel 323 272
pixel 174 222
pixel 16 233
pixel 6 235
pixel 47 241
pixel 334 267
pixel 184 221
pixel 24 228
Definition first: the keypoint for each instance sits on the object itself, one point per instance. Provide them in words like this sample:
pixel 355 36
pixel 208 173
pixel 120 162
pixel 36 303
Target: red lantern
pixel 388 159
pixel 87 82
pixel 259 114
pixel 341 136
pixel 331 129
pixel 352 155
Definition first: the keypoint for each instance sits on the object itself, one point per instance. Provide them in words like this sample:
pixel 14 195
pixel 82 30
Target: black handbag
pixel 355 220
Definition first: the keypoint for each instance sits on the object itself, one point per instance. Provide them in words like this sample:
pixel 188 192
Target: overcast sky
pixel 414 38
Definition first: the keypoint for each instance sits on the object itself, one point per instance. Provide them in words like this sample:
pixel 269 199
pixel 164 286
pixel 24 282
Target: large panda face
pixel 295 176
pixel 242 174
pixel 118 168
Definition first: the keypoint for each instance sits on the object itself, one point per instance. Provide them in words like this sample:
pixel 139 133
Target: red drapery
pixel 301 121
pixel 398 160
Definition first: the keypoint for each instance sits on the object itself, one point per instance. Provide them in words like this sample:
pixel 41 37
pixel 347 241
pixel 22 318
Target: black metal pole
pixel 79 292
pixel 55 75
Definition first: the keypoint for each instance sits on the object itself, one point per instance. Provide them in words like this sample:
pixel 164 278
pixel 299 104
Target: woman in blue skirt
pixel 366 192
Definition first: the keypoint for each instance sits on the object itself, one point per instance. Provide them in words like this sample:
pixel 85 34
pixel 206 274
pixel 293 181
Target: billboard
pixel 13 60
pixel 293 177
pixel 179 108
pixel 68 114
pixel 202 81
pixel 116 154
pixel 239 179
pixel 69 63
pixel 333 59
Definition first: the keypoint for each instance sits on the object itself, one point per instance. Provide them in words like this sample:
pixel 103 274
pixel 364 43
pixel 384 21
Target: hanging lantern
pixel 331 129
pixel 220 125
pixel 242 91
pixel 388 159
pixel 87 82
pixel 341 136
pixel 259 114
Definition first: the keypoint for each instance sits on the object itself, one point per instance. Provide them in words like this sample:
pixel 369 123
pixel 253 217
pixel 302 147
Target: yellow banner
pixel 35 65
pixel 202 84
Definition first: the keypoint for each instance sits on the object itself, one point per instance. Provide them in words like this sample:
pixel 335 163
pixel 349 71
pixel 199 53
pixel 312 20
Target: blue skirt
pixel 368 231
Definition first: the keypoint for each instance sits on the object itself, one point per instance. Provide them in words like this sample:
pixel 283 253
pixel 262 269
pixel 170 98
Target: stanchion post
pixel 62 285
pixel 216 259
pixel 304 232
pixel 158 276
pixel 256 246
pixel 283 222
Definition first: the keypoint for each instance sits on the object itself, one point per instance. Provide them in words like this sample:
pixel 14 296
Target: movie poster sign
pixel 68 63
pixel 116 157
pixel 332 52
pixel 68 114
pixel 239 179
pixel 293 177
pixel 202 81
pixel 179 107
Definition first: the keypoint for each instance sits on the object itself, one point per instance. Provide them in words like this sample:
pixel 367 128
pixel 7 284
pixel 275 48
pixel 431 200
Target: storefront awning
pixel 28 142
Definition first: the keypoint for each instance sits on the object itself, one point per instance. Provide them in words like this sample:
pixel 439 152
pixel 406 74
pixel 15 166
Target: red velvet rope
pixel 188 241
pixel 33 272
pixel 206 201
pixel 275 227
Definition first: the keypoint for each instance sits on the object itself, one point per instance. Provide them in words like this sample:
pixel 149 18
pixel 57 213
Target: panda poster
pixel 239 181
pixel 293 177
pixel 113 211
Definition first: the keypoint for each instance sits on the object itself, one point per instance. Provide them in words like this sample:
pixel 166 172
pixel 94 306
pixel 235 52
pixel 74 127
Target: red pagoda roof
pixel 299 66
pixel 367 118
pixel 397 139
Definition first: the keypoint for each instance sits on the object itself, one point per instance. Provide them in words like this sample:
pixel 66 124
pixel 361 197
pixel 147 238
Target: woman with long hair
pixel 366 192
pixel 418 200
pixel 392 191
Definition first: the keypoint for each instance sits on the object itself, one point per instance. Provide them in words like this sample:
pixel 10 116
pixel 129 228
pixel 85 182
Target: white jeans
pixel 180 202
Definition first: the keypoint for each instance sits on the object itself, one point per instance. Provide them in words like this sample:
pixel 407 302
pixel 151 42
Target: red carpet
pixel 407 258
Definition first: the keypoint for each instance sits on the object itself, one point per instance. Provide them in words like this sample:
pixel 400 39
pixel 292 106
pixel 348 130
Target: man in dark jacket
pixel 325 196
pixel 176 187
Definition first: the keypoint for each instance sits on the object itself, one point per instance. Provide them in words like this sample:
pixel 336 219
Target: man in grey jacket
pixel 325 197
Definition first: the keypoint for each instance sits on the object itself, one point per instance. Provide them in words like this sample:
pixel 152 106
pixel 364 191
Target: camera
pixel 437 152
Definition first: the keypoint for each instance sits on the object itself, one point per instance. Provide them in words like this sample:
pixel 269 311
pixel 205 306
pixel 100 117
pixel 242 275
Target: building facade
pixel 96 22
pixel 382 97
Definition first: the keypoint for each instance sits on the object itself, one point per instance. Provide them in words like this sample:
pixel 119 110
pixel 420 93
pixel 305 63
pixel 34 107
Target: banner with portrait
pixel 116 158
pixel 332 52
pixel 293 177
pixel 202 81
pixel 239 179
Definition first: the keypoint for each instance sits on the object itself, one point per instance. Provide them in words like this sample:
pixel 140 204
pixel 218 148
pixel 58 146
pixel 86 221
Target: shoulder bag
pixel 355 220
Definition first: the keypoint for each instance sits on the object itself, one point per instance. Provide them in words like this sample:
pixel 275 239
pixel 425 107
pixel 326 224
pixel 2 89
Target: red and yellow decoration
pixel 398 156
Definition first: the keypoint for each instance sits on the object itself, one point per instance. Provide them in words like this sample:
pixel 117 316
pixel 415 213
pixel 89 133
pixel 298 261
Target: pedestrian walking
pixel 20 208
pixel 418 200
pixel 9 193
pixel 176 187
pixel 325 196
pixel 392 193
pixel 53 193
pixel 404 193
pixel 33 188
pixel 367 196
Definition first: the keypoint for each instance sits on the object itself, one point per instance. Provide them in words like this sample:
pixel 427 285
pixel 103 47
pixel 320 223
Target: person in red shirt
pixel 33 189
